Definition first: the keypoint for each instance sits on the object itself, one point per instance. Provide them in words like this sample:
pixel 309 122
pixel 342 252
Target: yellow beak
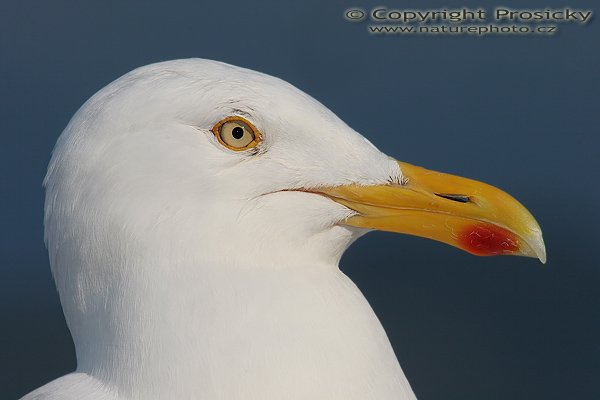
pixel 468 214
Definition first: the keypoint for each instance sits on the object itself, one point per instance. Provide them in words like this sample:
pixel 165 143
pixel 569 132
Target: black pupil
pixel 237 132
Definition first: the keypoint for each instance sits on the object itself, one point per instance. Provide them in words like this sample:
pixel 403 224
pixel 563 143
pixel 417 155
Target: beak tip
pixel 537 245
pixel 542 257
pixel 542 254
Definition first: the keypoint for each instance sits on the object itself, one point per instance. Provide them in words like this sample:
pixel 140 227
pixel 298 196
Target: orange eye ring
pixel 237 133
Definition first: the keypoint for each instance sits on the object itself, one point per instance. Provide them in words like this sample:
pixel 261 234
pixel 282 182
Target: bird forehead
pixel 224 83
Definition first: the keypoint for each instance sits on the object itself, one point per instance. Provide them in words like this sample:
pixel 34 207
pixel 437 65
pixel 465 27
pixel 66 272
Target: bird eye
pixel 236 133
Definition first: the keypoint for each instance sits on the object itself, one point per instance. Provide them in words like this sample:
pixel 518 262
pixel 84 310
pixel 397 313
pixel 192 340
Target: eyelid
pixel 216 130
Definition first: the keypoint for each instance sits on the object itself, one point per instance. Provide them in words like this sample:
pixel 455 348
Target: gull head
pixel 184 168
pixel 241 165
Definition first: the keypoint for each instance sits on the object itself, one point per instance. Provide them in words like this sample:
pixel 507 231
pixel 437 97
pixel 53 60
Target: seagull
pixel 195 216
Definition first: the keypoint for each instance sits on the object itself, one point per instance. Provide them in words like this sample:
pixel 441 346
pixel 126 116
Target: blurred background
pixel 519 112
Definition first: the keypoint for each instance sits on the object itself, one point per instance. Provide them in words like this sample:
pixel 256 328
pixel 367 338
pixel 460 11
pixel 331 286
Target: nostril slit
pixel 461 198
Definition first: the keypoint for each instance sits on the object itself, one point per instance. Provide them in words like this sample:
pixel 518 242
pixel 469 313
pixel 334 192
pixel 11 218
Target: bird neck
pixel 242 333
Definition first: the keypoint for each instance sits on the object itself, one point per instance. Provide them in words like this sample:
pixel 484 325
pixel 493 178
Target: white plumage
pixel 190 271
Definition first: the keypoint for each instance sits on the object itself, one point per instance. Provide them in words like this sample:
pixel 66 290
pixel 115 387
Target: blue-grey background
pixel 519 112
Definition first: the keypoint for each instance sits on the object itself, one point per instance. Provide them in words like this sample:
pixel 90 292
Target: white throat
pixel 275 334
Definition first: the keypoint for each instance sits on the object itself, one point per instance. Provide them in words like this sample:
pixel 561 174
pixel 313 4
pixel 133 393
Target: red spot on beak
pixel 488 240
